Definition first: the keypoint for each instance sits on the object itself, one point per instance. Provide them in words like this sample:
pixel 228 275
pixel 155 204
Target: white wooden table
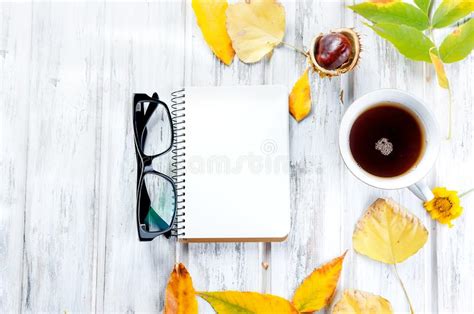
pixel 67 166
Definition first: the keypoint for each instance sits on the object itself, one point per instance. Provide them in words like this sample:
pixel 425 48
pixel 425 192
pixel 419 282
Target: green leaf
pixel 459 44
pixel 409 41
pixel 424 5
pixel 449 11
pixel 393 12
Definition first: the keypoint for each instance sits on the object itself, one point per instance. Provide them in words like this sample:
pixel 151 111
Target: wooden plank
pixel 62 160
pixel 15 41
pixel 455 256
pixel 316 169
pixel 219 266
pixel 144 53
pixel 454 168
pixel 382 66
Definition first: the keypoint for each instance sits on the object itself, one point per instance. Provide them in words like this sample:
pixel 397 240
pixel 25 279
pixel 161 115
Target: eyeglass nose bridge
pixel 144 165
pixel 148 167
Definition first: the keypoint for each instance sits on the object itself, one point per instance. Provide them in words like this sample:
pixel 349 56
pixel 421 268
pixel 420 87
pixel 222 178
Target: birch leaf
pixel 424 5
pixel 360 302
pixel 229 302
pixel 180 296
pixel 211 18
pixel 393 12
pixel 388 233
pixel 316 290
pixel 255 27
pixel 459 44
pixel 439 68
pixel 300 98
pixel 409 41
pixel 449 11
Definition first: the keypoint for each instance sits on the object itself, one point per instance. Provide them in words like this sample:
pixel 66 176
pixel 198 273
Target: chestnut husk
pixel 353 37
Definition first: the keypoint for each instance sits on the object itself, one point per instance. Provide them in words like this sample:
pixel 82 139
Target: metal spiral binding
pixel 178 158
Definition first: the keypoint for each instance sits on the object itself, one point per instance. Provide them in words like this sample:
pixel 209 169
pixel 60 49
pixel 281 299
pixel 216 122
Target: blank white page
pixel 237 164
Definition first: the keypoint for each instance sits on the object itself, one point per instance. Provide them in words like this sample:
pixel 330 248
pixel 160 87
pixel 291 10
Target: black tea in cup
pixel 387 140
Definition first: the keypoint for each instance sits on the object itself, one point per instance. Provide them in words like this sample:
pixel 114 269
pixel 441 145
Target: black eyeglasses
pixel 156 192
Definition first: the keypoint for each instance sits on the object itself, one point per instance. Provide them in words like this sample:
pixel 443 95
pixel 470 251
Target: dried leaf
pixel 211 18
pixel 449 11
pixel 255 27
pixel 300 98
pixel 180 296
pixel 459 44
pixel 388 233
pixel 409 41
pixel 439 68
pixel 317 289
pixel 360 302
pixel 393 12
pixel 247 302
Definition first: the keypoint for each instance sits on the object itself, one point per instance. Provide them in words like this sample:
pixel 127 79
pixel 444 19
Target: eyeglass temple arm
pixel 141 116
pixel 153 104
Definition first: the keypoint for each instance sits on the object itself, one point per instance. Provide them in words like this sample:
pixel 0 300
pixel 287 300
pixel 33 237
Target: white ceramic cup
pixel 412 179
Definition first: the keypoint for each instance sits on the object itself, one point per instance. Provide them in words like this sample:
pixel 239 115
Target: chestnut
pixel 333 50
pixel 335 53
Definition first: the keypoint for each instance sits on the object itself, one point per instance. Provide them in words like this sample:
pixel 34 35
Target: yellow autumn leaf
pixel 360 302
pixel 439 68
pixel 300 98
pixel 316 290
pixel 180 296
pixel 381 2
pixel 247 302
pixel 211 18
pixel 388 233
pixel 255 27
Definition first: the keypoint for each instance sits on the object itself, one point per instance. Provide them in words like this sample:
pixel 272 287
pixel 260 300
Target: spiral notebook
pixel 232 163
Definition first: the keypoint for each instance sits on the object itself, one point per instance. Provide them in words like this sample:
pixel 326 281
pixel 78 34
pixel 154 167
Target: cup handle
pixel 421 190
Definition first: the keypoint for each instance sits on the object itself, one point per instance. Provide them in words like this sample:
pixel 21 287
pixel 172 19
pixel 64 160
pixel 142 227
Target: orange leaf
pixel 300 98
pixel 180 296
pixel 316 290
pixel 211 18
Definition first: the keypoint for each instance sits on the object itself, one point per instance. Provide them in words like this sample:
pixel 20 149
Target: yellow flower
pixel 445 206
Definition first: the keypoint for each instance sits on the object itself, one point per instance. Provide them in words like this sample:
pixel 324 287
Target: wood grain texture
pixel 453 254
pixel 454 250
pixel 62 154
pixel 68 171
pixel 315 236
pixel 15 49
pixel 137 60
